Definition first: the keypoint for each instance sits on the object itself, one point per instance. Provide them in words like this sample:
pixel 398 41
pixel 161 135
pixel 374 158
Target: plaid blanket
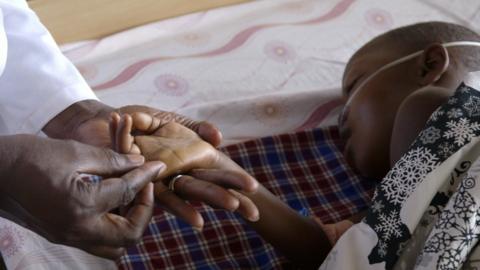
pixel 305 169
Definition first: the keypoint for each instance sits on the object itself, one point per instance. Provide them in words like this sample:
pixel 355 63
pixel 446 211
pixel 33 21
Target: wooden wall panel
pixel 73 20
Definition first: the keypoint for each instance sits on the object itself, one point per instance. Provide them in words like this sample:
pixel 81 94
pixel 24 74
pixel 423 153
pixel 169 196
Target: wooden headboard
pixel 74 20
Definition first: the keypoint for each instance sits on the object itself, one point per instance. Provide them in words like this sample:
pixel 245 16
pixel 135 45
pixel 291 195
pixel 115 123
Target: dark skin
pixel 389 111
pixel 42 191
pixel 383 120
pixel 83 219
pixel 183 150
pixel 88 121
pixel 216 190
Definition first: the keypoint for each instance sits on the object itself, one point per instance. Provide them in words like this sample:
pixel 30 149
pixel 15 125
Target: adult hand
pixel 212 177
pixel 88 122
pixel 215 187
pixel 41 186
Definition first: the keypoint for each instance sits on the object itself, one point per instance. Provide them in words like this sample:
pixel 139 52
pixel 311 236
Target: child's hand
pixel 182 150
pixel 335 230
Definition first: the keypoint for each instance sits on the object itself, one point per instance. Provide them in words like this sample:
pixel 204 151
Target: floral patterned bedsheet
pixel 256 69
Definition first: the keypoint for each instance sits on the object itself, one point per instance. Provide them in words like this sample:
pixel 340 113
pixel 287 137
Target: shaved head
pixel 411 38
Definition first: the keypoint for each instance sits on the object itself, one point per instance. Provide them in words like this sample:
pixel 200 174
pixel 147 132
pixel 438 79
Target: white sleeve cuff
pixel 45 112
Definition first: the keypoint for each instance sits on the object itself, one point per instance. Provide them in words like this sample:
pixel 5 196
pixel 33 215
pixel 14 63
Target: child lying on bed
pixel 387 105
pixel 393 87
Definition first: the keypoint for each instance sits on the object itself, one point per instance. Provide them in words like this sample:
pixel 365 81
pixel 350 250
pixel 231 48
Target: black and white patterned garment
pixel 425 213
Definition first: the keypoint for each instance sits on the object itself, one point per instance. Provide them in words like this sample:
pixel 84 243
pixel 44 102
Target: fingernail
pixel 137 159
pixel 160 166
pixel 210 133
pixel 253 186
pixel 113 115
pixel 198 229
pixel 254 218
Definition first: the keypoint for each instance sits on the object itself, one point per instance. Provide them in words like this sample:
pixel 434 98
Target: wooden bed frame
pixel 74 20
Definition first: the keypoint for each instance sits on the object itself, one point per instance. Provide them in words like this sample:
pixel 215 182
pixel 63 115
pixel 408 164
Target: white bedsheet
pixel 256 69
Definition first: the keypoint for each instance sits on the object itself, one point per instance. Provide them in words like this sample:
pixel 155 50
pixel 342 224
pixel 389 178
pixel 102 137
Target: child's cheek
pixel 370 140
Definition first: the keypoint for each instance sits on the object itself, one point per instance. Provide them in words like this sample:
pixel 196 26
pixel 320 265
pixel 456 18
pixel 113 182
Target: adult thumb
pixel 106 162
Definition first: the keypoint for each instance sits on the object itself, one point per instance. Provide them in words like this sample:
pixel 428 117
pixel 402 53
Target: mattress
pixel 257 69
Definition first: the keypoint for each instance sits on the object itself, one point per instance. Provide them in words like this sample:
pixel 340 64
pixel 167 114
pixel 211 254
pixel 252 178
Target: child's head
pixel 373 94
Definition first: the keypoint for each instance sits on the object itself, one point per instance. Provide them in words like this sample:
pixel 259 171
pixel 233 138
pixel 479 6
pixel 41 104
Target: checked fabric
pixel 305 169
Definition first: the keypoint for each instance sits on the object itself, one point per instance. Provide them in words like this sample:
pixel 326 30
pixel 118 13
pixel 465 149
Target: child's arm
pixel 300 238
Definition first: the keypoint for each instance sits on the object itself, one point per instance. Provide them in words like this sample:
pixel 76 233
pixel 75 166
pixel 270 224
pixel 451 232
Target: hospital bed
pixel 255 69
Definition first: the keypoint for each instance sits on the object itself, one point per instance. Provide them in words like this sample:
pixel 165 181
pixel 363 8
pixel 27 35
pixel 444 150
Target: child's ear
pixel 433 63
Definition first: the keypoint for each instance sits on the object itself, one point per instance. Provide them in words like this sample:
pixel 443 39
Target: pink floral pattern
pixel 280 51
pixel 172 85
pixel 194 39
pixel 379 19
pixel 271 112
pixel 11 240
pixel 235 42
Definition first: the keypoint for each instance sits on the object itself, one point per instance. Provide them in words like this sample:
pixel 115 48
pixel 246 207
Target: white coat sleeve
pixel 38 81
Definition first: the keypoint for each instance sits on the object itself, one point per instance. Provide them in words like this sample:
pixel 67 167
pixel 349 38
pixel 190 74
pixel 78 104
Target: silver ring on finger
pixel 171 184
